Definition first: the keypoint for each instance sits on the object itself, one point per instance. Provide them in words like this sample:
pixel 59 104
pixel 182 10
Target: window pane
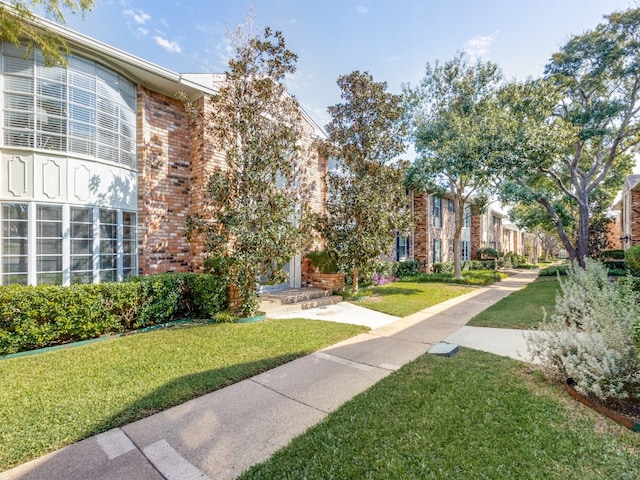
pixel 108 216
pixel 81 214
pixel 51 246
pixel 79 247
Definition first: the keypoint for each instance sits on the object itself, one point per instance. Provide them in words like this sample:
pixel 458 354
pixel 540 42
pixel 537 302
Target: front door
pixel 294 279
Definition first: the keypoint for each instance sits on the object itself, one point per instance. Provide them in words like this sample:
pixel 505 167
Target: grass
pixel 404 298
pixel 473 416
pixel 54 399
pixel 470 277
pixel 522 309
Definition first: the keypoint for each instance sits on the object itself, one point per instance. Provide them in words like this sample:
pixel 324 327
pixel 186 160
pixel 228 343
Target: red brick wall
pixel 175 160
pixel 163 183
pixel 476 233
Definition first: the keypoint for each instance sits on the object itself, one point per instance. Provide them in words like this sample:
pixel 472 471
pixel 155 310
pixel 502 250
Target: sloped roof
pixel 155 77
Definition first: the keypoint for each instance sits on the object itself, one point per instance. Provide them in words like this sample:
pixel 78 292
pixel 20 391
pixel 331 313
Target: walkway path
pixel 221 434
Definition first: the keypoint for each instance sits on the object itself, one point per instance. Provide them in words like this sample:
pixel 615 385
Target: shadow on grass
pixel 170 394
pixel 386 291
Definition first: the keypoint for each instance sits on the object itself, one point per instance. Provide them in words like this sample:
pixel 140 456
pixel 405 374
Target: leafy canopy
pixel 18 24
pixel 455 125
pixel 572 132
pixel 367 202
pixel 257 214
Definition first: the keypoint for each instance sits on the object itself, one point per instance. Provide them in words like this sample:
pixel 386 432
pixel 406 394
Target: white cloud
pixel 139 16
pixel 171 47
pixel 480 46
pixel 143 31
pixel 361 9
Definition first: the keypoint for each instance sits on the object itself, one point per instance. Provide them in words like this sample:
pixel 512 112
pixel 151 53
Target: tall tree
pixel 367 201
pixel 18 25
pixel 573 131
pixel 257 215
pixel 454 124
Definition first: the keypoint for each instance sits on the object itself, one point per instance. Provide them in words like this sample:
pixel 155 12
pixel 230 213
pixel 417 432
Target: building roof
pixel 155 77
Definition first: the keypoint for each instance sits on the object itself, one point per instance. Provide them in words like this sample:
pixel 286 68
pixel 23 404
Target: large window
pixel 49 244
pixel 465 250
pixel 437 211
pixel 403 248
pixel 437 251
pixel 15 245
pixel 70 244
pixel 81 226
pixel 84 108
pixel 108 245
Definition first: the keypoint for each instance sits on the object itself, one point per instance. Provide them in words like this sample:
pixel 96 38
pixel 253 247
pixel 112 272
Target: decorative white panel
pixel 51 179
pixel 81 179
pixel 17 176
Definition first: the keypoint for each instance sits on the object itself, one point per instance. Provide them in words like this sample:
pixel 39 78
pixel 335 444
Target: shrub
pixel 475 277
pixel 384 268
pixel 613 265
pixel 632 255
pixel 323 261
pixel 617 254
pixel 407 268
pixel 591 336
pixel 39 316
pixel 487 252
pixel 443 267
pixel 554 271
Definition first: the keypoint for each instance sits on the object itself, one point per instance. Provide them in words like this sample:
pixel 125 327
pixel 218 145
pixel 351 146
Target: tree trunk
pixel 583 233
pixel 354 284
pixel 459 221
pixel 564 238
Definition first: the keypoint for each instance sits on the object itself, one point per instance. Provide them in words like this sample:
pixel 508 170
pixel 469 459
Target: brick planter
pixel 334 282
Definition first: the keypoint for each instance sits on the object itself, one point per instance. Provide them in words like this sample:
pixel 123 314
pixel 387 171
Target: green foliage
pixel 632 255
pixel 367 202
pixel 591 337
pixel 323 261
pixel 554 271
pixel 17 25
pixel 258 214
pixel 406 268
pixel 487 252
pixel 454 123
pixel 45 315
pixel 572 135
pixel 617 254
pixel 469 277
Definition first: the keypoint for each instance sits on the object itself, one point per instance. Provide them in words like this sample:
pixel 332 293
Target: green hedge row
pixel 33 317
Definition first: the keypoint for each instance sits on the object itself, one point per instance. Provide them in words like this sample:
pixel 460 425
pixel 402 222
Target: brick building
pixel 99 167
pixel 625 231
pixel 432 238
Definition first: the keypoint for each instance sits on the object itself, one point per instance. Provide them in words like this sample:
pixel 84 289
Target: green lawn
pixel 522 309
pixel 472 416
pixel 54 399
pixel 404 298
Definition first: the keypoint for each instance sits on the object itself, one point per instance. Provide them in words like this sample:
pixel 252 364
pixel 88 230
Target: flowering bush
pixel 383 280
pixel 590 338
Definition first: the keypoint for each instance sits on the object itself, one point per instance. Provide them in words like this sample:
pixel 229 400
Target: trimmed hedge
pixel 406 268
pixel 466 266
pixel 33 317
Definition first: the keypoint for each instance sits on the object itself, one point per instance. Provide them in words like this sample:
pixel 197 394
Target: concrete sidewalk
pixel 221 434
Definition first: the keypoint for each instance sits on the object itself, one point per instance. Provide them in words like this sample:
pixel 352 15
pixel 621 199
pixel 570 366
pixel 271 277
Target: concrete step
pixel 273 309
pixel 294 295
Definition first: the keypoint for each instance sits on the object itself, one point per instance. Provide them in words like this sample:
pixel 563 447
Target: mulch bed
pixel 623 411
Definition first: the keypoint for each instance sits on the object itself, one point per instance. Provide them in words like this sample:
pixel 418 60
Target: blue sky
pixel 391 39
